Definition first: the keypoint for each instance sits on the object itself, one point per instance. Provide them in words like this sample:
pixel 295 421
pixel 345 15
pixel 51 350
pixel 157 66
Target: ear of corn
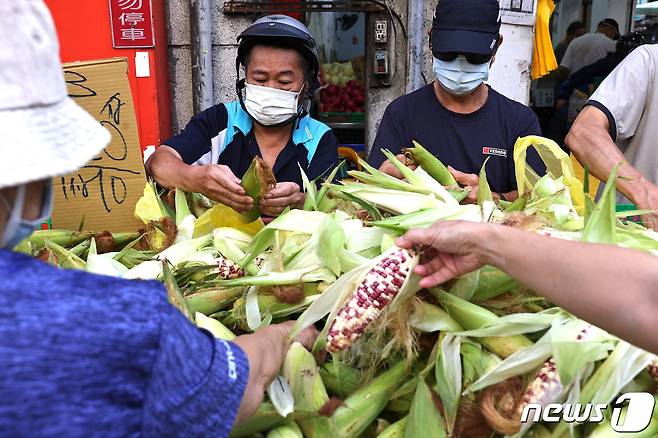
pixel 303 376
pixel 395 430
pixel 431 164
pixel 364 405
pixel 448 374
pixel 65 258
pixel 484 191
pixel 471 317
pixel 288 430
pixel 213 300
pixel 174 293
pixel 218 330
pixel 256 182
pixel 378 288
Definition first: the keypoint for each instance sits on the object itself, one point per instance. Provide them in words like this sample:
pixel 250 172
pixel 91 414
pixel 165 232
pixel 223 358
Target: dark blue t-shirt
pixel 223 134
pixel 87 355
pixel 463 141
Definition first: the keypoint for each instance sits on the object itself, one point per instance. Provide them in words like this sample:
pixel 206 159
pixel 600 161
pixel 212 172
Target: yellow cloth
pixel 543 59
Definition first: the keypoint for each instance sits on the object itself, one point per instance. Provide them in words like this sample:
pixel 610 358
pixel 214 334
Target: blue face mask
pixel 459 76
pixel 17 228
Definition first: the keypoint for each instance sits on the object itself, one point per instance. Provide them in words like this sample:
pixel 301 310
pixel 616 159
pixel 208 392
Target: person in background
pixel 575 30
pixel 83 354
pixel 459 118
pixel 269 120
pixel 588 75
pixel 618 124
pixel 589 48
pixel 587 283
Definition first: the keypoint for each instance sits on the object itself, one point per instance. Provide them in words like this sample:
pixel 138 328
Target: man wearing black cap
pixel 458 117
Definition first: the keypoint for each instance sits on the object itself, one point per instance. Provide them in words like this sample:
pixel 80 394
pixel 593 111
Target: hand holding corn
pixel 220 184
pixel 388 168
pixel 451 249
pixel 266 350
pixel 285 194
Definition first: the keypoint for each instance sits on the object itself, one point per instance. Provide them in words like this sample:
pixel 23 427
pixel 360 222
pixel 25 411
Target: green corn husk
pixel 303 376
pixel 424 417
pixel 265 418
pixel 213 300
pixel 363 407
pixel 288 430
pixel 65 258
pixel 431 164
pixel 395 430
pixel 471 317
pixel 218 330
pixel 256 182
pixel 493 282
pixel 81 248
pixel 174 293
pixel 340 379
pixel 63 238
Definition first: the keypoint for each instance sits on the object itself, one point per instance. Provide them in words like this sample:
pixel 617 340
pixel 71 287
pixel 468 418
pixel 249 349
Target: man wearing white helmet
pixel 268 120
pixel 83 354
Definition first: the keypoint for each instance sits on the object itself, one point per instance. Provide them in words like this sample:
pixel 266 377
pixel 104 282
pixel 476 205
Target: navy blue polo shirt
pixel 463 141
pixel 223 134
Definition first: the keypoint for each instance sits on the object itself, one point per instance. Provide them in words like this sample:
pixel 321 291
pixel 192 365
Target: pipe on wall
pixel 416 51
pixel 202 70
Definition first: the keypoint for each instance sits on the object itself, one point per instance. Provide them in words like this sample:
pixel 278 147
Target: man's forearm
pixel 592 145
pixel 611 287
pixel 170 171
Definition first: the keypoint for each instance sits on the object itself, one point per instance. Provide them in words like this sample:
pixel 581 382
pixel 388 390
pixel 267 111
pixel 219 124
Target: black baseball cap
pixel 466 26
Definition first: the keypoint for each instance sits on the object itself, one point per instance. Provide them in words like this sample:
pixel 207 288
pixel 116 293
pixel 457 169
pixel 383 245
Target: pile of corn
pixel 463 360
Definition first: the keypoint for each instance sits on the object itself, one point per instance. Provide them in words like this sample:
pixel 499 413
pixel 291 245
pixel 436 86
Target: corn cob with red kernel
pixel 228 270
pixel 546 386
pixel 378 288
pixel 653 369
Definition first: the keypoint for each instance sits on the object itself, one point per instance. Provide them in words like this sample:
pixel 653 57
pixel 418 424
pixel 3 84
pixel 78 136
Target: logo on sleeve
pixel 494 151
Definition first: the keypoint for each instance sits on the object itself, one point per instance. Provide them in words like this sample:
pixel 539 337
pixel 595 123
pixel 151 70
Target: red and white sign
pixel 132 24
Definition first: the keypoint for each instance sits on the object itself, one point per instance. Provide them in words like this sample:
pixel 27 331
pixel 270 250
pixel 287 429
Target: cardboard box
pixel 102 195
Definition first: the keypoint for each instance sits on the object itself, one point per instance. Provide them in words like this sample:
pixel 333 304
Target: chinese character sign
pixel 132 23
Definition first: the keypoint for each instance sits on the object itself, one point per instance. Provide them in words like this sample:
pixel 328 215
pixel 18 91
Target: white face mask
pixel 270 106
pixel 460 77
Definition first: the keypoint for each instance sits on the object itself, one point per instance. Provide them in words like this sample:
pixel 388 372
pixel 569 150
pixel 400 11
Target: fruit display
pixel 341 91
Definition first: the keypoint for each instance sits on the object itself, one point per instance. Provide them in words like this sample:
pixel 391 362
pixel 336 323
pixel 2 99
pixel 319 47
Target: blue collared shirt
pixel 223 134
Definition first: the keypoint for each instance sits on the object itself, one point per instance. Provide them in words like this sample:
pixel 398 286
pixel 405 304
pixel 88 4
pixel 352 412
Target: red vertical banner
pixel 132 24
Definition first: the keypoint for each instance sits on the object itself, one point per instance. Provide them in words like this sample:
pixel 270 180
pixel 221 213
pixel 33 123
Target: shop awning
pixel 650 8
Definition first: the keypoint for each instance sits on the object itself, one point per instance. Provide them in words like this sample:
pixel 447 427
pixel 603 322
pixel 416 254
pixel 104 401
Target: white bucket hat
pixel 43 133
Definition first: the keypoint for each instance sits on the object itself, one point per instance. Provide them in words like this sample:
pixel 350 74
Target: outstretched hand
pixel 451 249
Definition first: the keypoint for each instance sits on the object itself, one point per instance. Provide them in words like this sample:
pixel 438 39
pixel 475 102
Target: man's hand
pixel 388 168
pixel 285 194
pixel 469 181
pixel 451 249
pixel 220 184
pixel 649 202
pixel 266 350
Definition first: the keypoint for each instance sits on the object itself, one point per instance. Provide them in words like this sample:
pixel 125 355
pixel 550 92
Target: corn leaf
pixel 516 324
pixel 484 191
pixel 310 190
pixel 518 364
pixel 252 310
pixel 429 318
pixel 65 258
pixel 216 328
pixel 431 165
pixel 448 374
pixel 424 418
pixel 149 207
pixel 174 293
pixel 281 396
pixel 600 227
pixel 330 242
pixel 466 285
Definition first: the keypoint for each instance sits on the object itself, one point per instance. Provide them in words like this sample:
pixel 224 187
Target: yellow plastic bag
pixel 558 164
pixel 222 216
pixel 579 172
